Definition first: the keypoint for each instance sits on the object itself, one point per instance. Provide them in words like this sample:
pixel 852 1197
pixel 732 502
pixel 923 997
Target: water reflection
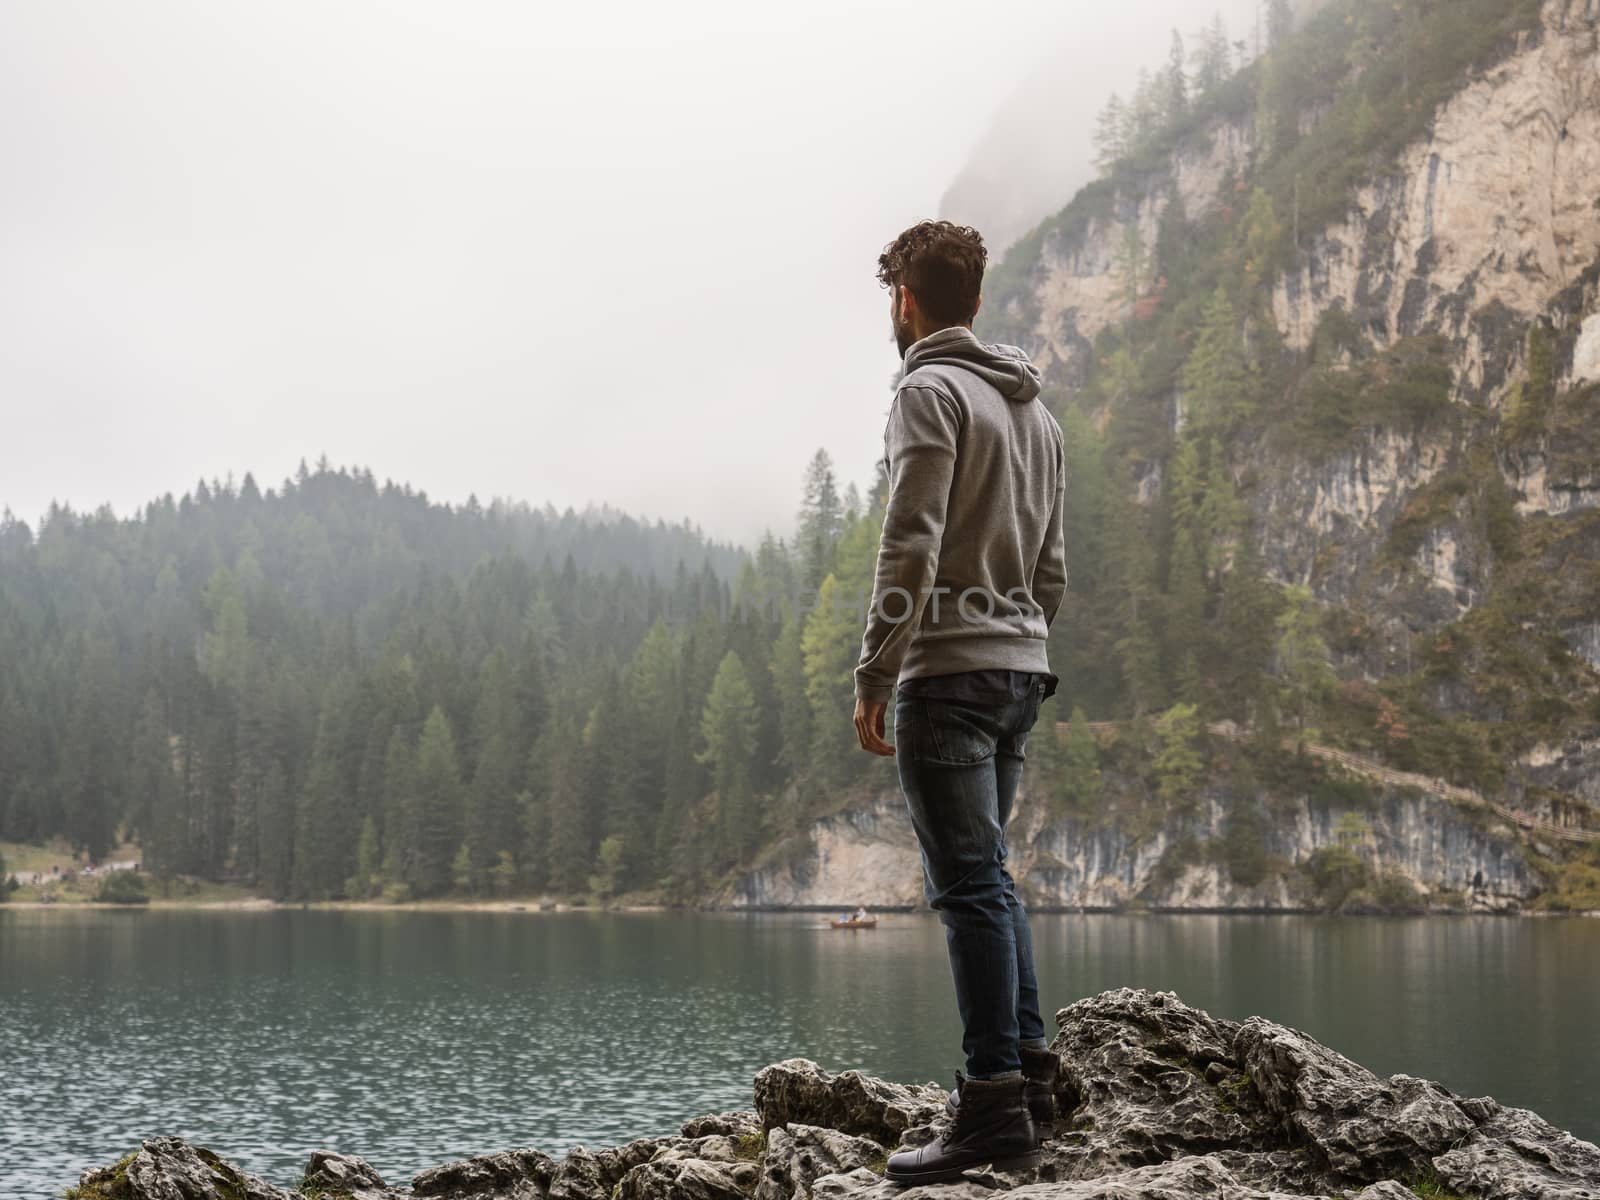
pixel 413 1038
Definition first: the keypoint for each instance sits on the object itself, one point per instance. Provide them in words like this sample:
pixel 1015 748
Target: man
pixel 971 571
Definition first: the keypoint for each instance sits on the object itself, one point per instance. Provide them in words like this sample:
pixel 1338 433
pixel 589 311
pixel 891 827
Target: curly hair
pixel 941 264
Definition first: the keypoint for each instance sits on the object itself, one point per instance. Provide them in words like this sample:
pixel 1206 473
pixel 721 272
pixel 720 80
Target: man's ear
pixel 978 305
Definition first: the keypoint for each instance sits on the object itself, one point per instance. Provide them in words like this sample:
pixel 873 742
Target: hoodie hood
pixel 1006 368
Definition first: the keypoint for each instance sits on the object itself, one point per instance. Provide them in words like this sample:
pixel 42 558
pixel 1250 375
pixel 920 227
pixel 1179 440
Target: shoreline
pixel 1263 1110
pixel 534 907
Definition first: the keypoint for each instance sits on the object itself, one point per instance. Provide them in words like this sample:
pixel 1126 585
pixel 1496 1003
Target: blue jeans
pixel 959 763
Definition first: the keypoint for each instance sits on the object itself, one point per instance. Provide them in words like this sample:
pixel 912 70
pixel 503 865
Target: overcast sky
pixel 608 252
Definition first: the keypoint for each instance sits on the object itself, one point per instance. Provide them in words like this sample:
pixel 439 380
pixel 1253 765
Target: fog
pixel 608 253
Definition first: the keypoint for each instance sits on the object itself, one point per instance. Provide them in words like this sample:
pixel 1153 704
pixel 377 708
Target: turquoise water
pixel 413 1038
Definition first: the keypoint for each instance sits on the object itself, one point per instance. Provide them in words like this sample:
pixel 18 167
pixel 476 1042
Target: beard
pixel 903 337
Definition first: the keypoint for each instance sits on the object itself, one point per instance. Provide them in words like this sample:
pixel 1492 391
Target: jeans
pixel 959 762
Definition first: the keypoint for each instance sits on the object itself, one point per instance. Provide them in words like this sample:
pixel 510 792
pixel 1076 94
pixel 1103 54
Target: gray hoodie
pixel 972 564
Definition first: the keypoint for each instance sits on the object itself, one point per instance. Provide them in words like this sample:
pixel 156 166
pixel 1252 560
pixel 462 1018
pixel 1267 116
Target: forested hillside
pixel 1313 338
pixel 1324 341
pixel 336 689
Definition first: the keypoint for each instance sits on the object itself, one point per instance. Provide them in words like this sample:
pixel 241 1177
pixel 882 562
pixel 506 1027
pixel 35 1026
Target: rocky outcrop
pixel 1495 204
pixel 1471 232
pixel 1443 851
pixel 864 854
pixel 1155 1100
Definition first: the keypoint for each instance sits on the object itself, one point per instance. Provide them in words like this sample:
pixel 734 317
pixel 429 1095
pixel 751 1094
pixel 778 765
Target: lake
pixel 412 1038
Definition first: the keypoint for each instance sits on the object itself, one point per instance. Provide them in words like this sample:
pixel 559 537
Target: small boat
pixel 854 923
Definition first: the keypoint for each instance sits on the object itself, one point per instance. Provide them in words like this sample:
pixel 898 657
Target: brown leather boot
pixel 990 1126
pixel 1040 1069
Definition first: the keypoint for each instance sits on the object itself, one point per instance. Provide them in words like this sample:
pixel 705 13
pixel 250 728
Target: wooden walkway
pixel 1372 769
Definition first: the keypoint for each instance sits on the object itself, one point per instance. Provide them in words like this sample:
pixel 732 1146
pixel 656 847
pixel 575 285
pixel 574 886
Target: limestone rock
pixel 344 1175
pixel 509 1175
pixel 586 1174
pixel 1159 1101
pixel 169 1168
pixel 1365 1127
pixel 709 1168
pixel 797 1155
pixel 737 1123
pixel 1146 1077
pixel 1517 1153
pixel 797 1089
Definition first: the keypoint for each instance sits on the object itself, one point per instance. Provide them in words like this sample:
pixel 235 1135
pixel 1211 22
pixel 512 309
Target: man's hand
pixel 869 727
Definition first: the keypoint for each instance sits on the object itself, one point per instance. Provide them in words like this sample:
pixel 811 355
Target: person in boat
pixel 970 573
pixel 859 915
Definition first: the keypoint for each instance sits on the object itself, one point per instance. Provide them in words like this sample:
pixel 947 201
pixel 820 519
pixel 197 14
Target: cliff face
pixel 866 854
pixel 1438 854
pixel 1445 513
pixel 1478 225
pixel 1493 213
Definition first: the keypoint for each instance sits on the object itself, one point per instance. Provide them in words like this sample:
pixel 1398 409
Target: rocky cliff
pixel 1415 357
pixel 1156 1101
pixel 1417 852
pixel 1481 222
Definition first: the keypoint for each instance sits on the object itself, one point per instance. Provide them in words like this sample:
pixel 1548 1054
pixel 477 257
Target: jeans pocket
pixel 958 733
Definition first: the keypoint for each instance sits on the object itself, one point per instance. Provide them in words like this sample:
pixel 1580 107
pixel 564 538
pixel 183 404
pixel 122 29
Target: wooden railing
pixel 1372 769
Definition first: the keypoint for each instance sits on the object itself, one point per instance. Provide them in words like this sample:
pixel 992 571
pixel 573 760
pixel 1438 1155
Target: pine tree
pixel 1135 601
pixel 728 726
pixel 1263 236
pixel 1248 610
pixel 1110 136
pixel 1302 654
pixel 437 797
pixel 1073 639
pixel 367 879
pixel 92 780
pixel 323 859
pixel 1213 58
pixel 155 791
pixel 1132 265
pixel 820 523
pixel 1221 515
pixel 831 647
pixel 1219 384
pixel 399 808
pixel 569 847
pixel 1081 783
pixel 1145 112
pixel 1175 100
pixel 493 815
pixel 226 653
pixel 1178 764
pixel 275 834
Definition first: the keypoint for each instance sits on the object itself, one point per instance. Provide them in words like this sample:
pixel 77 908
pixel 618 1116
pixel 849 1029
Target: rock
pixel 1366 1128
pixel 1145 1078
pixel 591 1174
pixel 737 1123
pixel 709 1168
pixel 169 1168
pixel 1159 1101
pixel 1387 1190
pixel 797 1155
pixel 1517 1153
pixel 1181 1179
pixel 797 1089
pixel 344 1175
pixel 509 1175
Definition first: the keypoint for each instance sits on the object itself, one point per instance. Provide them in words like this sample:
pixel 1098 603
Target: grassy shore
pixel 71 888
